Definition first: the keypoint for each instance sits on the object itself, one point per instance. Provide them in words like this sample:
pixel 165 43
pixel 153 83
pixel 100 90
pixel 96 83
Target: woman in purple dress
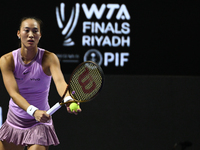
pixel 27 74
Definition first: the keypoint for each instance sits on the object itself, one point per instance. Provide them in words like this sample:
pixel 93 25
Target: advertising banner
pixel 95 32
pixel 124 37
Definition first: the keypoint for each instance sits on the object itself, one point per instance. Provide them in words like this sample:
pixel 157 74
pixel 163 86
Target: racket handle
pixel 53 109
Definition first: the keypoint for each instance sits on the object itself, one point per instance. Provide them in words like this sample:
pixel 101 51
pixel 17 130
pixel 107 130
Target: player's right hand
pixel 41 116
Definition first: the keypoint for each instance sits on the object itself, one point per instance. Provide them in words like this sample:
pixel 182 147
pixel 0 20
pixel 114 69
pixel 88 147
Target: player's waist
pixel 21 123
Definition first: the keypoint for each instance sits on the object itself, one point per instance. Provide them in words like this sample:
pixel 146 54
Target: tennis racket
pixel 85 83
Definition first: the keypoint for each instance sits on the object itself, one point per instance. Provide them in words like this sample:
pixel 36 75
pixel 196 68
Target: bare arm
pixel 55 70
pixel 51 66
pixel 7 68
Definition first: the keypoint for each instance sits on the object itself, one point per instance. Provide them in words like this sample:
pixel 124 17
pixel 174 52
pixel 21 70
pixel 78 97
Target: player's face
pixel 29 33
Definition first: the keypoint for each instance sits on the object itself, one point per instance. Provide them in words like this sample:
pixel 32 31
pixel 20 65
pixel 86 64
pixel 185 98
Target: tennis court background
pixel 151 102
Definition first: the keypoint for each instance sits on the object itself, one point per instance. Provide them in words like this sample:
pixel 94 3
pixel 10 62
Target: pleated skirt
pixel 25 132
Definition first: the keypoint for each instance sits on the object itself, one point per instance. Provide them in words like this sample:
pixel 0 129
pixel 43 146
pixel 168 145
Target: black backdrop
pixel 150 103
pixel 132 112
pixel 163 35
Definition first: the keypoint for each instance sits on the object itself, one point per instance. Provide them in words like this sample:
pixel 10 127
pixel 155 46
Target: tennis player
pixel 27 74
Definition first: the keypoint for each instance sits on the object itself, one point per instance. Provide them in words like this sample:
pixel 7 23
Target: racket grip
pixel 53 109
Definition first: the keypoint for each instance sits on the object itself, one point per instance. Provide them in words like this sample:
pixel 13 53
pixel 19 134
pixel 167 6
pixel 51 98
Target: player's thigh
pixel 37 147
pixel 10 146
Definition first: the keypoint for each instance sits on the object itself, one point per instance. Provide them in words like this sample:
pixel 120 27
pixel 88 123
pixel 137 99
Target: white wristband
pixel 31 109
pixel 68 98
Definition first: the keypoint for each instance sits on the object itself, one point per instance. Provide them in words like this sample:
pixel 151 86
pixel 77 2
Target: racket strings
pixel 86 82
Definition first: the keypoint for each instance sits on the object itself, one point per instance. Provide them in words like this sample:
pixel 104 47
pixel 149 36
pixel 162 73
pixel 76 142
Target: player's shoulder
pixel 7 57
pixel 7 60
pixel 49 56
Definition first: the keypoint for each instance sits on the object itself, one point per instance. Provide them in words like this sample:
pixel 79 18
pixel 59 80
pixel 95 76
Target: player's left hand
pixel 73 112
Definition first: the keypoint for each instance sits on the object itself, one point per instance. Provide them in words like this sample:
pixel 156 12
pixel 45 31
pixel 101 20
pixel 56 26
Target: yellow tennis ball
pixel 74 106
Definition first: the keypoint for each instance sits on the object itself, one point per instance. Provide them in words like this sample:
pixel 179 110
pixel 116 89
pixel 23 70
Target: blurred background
pixel 149 54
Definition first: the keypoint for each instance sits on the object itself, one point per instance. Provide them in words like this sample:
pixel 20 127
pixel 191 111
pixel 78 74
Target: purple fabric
pixel 32 82
pixel 20 128
pixel 27 132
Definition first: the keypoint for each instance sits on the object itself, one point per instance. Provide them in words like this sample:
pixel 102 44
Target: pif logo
pixel 105 25
pixel 90 29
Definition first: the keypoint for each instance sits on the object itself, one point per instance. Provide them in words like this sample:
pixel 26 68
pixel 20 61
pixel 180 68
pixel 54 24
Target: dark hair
pixel 35 18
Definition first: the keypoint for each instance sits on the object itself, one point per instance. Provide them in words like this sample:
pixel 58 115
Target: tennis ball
pixel 74 106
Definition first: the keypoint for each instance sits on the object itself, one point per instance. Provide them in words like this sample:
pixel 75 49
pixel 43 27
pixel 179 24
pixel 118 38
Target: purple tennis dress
pixel 20 128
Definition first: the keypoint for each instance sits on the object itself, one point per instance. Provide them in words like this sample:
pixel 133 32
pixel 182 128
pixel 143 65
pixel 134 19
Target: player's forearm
pixel 20 101
pixel 61 88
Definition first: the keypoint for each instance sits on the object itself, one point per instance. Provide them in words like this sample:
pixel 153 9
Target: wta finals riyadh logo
pixel 68 29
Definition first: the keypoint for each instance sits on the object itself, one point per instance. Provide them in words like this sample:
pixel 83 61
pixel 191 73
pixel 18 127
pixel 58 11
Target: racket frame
pixel 63 101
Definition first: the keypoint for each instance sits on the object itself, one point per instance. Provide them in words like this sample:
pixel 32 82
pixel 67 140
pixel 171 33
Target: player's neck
pixel 28 54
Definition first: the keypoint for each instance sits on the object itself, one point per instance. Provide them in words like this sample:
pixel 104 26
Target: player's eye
pixel 35 30
pixel 26 31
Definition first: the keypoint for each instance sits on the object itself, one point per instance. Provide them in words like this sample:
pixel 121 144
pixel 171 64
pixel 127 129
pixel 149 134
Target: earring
pixel 18 37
